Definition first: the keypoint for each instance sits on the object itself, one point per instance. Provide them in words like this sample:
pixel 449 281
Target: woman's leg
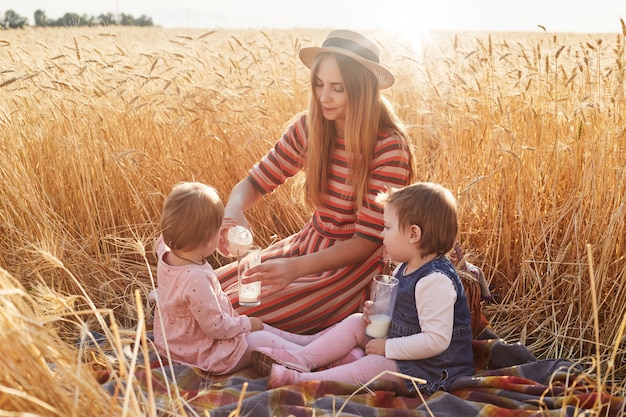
pixel 358 372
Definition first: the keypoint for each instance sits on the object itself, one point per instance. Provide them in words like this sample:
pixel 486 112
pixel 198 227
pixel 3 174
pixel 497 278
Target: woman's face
pixel 331 92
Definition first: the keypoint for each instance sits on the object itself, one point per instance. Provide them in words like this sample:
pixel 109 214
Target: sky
pixel 587 16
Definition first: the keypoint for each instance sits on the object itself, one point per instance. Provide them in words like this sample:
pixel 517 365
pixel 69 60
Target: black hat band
pixel 352 47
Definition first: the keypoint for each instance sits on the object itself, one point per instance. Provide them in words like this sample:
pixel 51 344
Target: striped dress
pixel 313 303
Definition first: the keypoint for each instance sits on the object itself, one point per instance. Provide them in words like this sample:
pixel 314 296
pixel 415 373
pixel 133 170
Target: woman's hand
pixel 222 245
pixel 274 274
pixel 242 197
pixel 375 347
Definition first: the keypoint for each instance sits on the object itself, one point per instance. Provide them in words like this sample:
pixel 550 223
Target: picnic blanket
pixel 509 381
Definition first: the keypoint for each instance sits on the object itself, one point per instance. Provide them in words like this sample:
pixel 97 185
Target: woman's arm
pixel 243 196
pixel 347 252
pixel 278 273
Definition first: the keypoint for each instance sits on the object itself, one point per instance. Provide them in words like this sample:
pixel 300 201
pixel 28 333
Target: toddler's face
pixel 397 242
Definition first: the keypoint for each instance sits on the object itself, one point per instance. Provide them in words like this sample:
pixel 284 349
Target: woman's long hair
pixel 368 114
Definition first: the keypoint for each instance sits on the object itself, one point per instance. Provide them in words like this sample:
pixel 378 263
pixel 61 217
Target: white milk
pixel 239 237
pixel 249 293
pixel 379 326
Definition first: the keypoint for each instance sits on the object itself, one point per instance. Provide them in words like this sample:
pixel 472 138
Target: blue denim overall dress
pixel 458 358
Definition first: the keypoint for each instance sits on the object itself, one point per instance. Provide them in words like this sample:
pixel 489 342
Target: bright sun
pixel 411 21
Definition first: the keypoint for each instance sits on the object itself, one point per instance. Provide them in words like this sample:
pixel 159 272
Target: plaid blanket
pixel 509 381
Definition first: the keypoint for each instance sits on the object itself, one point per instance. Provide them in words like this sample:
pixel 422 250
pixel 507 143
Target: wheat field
pixel 97 125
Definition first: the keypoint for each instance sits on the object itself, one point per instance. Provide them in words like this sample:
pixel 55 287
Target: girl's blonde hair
pixel 430 206
pixel 368 114
pixel 192 215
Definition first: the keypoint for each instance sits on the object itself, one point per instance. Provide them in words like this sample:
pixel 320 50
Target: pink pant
pixel 334 344
pixel 273 338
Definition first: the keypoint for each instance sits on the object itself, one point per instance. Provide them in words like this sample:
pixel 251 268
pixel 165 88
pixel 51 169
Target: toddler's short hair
pixel 430 206
pixel 192 215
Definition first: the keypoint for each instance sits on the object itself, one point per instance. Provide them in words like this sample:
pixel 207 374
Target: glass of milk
pixel 247 258
pixel 384 291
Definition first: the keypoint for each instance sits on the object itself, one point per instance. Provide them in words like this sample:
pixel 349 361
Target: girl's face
pixel 399 244
pixel 330 91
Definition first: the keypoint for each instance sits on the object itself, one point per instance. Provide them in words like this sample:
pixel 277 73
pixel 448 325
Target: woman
pixel 351 146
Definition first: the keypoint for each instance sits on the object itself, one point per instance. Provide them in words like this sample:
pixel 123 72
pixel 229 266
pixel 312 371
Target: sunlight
pixel 412 23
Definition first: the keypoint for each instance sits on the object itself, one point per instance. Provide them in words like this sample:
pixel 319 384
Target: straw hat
pixel 355 46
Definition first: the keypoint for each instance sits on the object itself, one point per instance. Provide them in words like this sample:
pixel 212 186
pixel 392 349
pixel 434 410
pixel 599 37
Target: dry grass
pixel 97 124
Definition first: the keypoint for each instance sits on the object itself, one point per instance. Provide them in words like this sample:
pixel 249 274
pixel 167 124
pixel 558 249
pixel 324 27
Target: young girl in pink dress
pixel 195 323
